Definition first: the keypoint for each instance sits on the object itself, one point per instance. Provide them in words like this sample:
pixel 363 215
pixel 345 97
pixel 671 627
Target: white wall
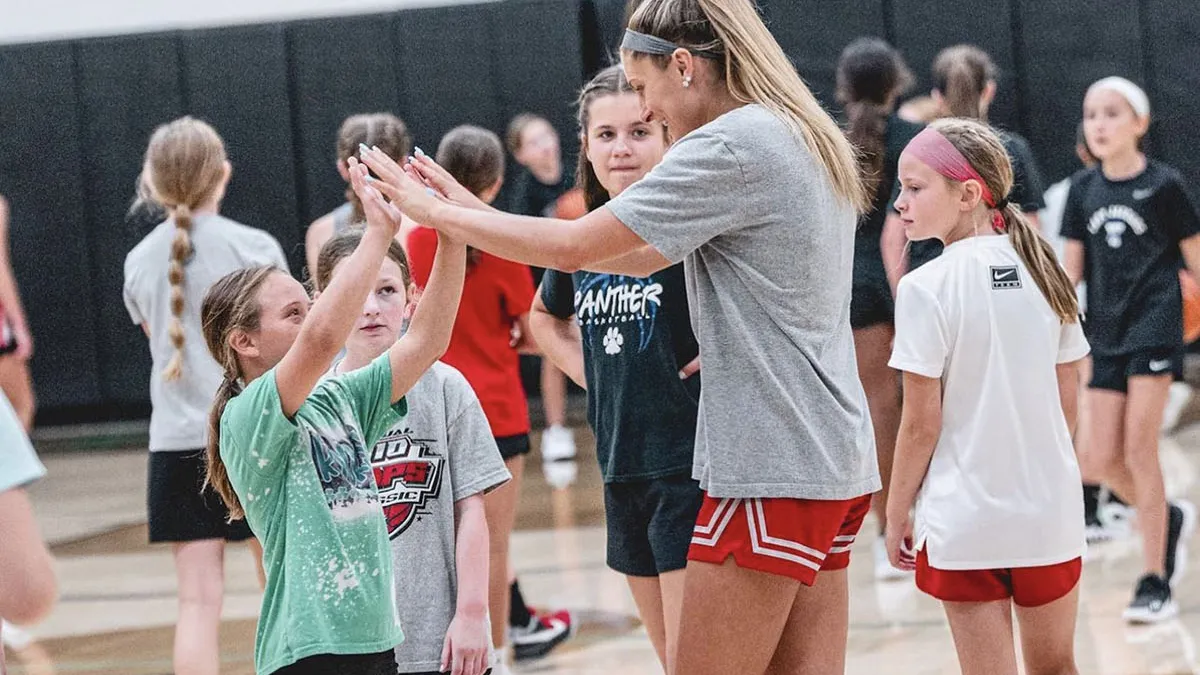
pixel 41 20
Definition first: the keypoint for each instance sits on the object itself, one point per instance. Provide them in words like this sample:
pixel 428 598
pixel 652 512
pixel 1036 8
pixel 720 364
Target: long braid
pixel 181 252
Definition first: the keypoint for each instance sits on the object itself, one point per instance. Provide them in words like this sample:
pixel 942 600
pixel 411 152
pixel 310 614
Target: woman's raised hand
pixel 406 193
pixel 422 167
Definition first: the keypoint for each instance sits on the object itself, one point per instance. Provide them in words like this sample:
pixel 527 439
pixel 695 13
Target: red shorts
pixel 1027 586
pixel 790 537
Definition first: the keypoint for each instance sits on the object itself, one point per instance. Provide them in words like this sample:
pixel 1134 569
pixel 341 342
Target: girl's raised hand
pixel 378 211
pixel 405 193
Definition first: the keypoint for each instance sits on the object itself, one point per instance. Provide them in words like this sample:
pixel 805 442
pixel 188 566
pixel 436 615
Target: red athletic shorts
pixel 790 537
pixel 1027 586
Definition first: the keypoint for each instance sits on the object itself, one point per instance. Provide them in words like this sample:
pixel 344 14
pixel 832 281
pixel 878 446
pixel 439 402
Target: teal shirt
pixel 309 495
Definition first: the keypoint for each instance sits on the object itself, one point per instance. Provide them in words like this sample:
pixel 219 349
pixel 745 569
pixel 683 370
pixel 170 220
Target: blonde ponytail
pixel 1042 263
pixel 184 168
pixel 758 71
pixel 980 146
pixel 181 251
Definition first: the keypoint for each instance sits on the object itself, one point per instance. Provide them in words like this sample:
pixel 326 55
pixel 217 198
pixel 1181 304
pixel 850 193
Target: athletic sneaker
pixel 884 571
pixel 1096 530
pixel 557 443
pixel 13 637
pixel 1152 601
pixel 540 636
pixel 1181 522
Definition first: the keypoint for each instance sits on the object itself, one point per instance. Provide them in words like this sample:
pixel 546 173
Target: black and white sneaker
pixel 1181 523
pixel 1152 601
pixel 543 634
pixel 1096 530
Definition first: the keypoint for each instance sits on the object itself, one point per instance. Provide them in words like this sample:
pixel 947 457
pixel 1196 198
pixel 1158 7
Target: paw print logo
pixel 613 341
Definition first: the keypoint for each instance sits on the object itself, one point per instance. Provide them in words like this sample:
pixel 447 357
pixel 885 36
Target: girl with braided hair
pixel 166 275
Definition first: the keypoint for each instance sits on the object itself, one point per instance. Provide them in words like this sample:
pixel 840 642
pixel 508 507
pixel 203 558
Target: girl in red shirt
pixel 490 332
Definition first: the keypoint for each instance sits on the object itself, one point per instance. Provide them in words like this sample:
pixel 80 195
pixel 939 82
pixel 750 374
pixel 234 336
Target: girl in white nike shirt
pixel 989 341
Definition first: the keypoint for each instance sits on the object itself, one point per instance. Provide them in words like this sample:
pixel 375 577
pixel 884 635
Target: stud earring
pixel 687 81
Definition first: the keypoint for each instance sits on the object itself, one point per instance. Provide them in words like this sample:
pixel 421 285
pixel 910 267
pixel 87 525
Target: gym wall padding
pixel 921 29
pixel 1067 45
pixel 76 116
pixel 539 72
pixel 127 87
pixel 40 174
pixel 252 112
pixel 449 70
pixel 815 52
pixel 337 67
pixel 1174 80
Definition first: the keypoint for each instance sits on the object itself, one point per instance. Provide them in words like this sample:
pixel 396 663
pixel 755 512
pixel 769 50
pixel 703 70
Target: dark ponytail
pixel 230 304
pixel 215 474
pixel 870 75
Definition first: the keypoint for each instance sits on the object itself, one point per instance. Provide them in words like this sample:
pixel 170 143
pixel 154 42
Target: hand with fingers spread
pixel 378 212
pixel 423 168
pixel 405 192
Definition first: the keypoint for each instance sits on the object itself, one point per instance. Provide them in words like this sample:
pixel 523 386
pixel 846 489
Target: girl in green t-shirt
pixel 289 451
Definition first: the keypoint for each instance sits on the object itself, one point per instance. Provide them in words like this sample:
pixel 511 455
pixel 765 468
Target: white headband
pixel 1129 91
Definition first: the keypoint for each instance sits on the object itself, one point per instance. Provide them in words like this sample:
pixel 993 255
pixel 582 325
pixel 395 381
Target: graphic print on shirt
pixel 344 473
pixel 627 306
pixel 408 472
pixel 1116 220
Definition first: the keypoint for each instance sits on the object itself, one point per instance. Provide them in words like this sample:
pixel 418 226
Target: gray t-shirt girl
pixel 179 417
pixel 768 253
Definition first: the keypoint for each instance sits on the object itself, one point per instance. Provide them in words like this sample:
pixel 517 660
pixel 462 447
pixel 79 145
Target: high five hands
pixel 419 187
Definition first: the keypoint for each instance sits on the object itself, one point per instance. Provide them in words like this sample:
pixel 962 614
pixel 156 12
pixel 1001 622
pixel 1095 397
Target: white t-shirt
pixel 1003 485
pixel 179 418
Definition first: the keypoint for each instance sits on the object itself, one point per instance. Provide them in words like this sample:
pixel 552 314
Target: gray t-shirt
pixel 441 453
pixel 179 418
pixel 768 253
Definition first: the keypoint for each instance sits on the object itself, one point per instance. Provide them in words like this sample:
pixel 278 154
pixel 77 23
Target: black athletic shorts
pixel 1113 372
pixel 179 507
pixel 650 524
pixel 513 446
pixel 383 663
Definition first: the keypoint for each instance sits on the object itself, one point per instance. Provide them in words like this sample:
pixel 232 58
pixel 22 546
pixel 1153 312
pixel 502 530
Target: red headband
pixel 934 150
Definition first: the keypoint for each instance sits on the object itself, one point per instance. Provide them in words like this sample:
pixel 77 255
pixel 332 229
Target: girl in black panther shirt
pixel 1130 227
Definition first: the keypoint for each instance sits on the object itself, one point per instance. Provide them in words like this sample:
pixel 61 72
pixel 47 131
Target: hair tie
pixel 1002 204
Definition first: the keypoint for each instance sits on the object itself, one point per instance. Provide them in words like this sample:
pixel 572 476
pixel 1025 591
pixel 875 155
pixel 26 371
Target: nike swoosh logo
pixel 1142 194
pixel 1158 366
pixel 1001 276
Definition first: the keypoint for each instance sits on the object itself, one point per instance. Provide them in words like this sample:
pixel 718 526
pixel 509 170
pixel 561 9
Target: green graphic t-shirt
pixel 309 496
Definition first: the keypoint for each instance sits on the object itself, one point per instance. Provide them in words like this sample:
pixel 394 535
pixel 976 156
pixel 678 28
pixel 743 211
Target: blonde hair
pixel 184 167
pixel 981 146
pixel 961 73
pixel 230 304
pixel 756 70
